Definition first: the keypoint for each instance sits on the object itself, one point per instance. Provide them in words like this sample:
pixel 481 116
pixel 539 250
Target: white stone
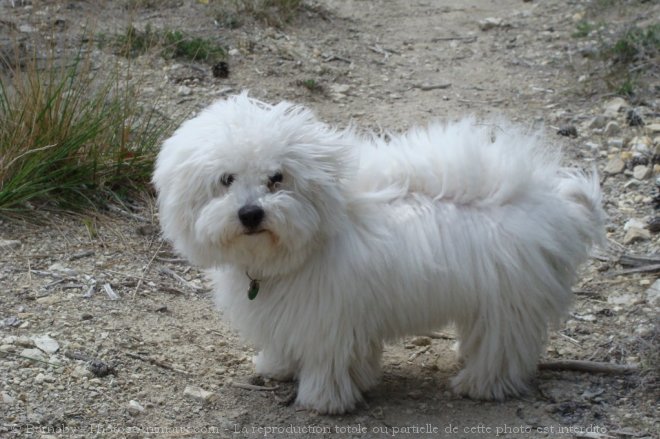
pixel 9 243
pixel 634 222
pixel 59 268
pixel 614 106
pixel 46 344
pixel 134 407
pixel 597 122
pixel 612 129
pixel 33 354
pixel 635 234
pixel 6 398
pixel 199 394
pixel 653 293
pixel 489 23
pixel 615 166
pixel 641 172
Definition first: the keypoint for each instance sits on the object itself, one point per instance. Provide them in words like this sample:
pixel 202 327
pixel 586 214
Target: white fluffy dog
pixel 322 244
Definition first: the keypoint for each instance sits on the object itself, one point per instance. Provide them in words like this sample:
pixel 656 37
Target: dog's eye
pixel 275 180
pixel 227 179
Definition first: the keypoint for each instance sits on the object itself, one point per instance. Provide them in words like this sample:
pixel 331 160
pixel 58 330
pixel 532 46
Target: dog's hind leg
pixel 500 348
pixel 365 369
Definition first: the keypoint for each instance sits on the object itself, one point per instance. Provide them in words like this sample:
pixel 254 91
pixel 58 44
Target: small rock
pixel 421 341
pixel 615 142
pixel 653 293
pixel 624 299
pixel 568 131
pixel 6 398
pixel 101 369
pixel 24 341
pixel 9 244
pixel 612 129
pixel 220 70
pixel 653 128
pixel 654 224
pixel 81 371
pixel 640 144
pixel 635 234
pixel 46 344
pixel 634 222
pixel 10 322
pixel 340 88
pixel 48 300
pixel 59 268
pixel 41 378
pixel 490 23
pixel 634 119
pixel 199 394
pixel 234 52
pixel 597 122
pixel 134 408
pixel 641 172
pixel 614 106
pixel 33 354
pixel 615 166
pixel 184 90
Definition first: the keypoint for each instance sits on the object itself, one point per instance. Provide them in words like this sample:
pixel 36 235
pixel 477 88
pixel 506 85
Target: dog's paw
pixel 325 403
pixel 488 389
pixel 269 366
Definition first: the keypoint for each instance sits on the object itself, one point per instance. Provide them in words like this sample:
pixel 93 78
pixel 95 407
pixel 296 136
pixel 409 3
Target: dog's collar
pixel 253 289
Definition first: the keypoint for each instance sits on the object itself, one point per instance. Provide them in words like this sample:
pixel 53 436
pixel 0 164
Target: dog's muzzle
pixel 251 216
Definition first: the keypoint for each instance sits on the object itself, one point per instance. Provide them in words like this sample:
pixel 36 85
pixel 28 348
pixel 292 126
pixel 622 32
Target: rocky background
pixel 104 332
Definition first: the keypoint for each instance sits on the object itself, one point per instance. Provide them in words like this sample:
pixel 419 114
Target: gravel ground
pixel 104 332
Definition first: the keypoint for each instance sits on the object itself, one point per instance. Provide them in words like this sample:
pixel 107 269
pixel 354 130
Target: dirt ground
pixel 157 359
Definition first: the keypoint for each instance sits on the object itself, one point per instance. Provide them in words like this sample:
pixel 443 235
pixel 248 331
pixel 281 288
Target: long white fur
pixel 369 240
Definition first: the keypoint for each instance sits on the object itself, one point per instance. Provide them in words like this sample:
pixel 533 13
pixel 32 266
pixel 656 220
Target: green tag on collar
pixel 254 289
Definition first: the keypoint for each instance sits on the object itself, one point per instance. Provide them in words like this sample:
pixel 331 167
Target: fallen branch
pixel 644 269
pixel 247 386
pixel 156 362
pixel 181 280
pixel 588 366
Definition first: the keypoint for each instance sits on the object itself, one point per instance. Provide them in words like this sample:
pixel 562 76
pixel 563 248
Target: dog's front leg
pixel 270 363
pixel 325 383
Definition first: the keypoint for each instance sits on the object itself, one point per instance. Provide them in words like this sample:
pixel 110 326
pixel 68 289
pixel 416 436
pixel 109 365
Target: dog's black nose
pixel 251 216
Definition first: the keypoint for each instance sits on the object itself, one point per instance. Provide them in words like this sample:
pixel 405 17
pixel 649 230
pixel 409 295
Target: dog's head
pixel 251 184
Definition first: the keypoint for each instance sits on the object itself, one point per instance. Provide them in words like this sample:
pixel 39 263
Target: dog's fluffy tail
pixel 582 192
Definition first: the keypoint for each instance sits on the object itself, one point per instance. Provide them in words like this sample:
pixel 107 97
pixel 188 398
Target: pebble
pixel 634 119
pixel 653 293
pixel 624 299
pixel 612 129
pixel 134 407
pixel 6 398
pixel 597 122
pixel 614 106
pixel 489 23
pixel 46 344
pixel 640 144
pixel 81 371
pixel 184 91
pixel 653 128
pixel 634 222
pixel 641 172
pixel 6 244
pixel 615 142
pixel 615 166
pixel 199 394
pixel 635 234
pixel 62 269
pixel 34 354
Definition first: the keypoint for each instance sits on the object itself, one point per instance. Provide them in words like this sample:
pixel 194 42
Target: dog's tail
pixel 582 192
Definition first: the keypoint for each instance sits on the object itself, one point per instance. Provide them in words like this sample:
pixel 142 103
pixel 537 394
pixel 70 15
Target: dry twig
pixel 588 366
